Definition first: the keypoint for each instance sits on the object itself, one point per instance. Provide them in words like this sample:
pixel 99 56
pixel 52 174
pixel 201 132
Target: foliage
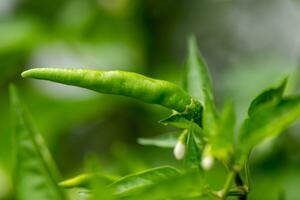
pixel 36 175
pixel 207 136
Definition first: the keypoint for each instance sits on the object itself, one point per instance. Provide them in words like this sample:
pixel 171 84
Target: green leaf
pixel 35 172
pixel 166 140
pixel 192 157
pixel 130 183
pixel 98 184
pixel 268 122
pixel 268 97
pixel 78 194
pixel 180 120
pixel 222 141
pixel 192 197
pixel 198 84
pixel 197 81
pixel 185 185
pixel 177 120
pixel 84 180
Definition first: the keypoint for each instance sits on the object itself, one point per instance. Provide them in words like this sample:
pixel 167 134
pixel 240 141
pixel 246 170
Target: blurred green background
pixel 248 44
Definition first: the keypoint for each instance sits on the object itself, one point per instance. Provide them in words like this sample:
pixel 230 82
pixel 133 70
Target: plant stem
pixel 240 192
pixel 239 183
pixel 237 193
pixel 238 180
pixel 247 173
pixel 226 188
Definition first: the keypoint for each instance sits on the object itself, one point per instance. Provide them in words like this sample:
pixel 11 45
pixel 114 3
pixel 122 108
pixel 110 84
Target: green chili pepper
pixel 118 82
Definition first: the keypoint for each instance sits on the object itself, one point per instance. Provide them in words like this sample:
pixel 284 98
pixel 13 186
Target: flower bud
pixel 207 159
pixel 207 162
pixel 179 150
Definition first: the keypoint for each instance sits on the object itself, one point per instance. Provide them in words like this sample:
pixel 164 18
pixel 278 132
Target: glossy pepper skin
pixel 120 83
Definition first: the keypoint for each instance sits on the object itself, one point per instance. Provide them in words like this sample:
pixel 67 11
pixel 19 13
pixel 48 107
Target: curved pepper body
pixel 118 82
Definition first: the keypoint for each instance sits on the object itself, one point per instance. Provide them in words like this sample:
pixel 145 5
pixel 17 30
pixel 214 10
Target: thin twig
pixel 240 184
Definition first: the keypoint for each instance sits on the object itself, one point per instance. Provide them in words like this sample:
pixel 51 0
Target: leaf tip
pixel 192 43
pixel 284 82
pixel 63 184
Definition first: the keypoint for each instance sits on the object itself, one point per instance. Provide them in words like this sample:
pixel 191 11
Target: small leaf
pixel 84 180
pixel 98 184
pixel 184 185
pixel 192 197
pixel 268 122
pixel 198 84
pixel 79 194
pixel 192 158
pixel 268 97
pixel 222 141
pixel 130 183
pixel 177 120
pixel 166 140
pixel 35 172
pixel 197 79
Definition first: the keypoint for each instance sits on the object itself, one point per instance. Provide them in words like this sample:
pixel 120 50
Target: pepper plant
pixel 208 136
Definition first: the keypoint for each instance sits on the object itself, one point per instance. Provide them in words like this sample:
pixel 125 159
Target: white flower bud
pixel 207 162
pixel 179 150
